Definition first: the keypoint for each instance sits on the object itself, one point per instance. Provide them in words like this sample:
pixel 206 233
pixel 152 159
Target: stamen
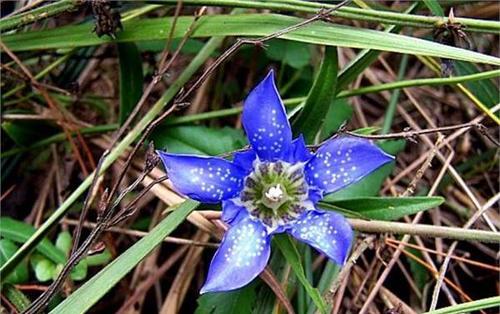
pixel 274 193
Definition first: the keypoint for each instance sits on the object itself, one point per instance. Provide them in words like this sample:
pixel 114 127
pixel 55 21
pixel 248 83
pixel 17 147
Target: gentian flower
pixel 272 187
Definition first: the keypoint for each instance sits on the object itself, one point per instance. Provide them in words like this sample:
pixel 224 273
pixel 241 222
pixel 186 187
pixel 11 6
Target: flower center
pixel 276 193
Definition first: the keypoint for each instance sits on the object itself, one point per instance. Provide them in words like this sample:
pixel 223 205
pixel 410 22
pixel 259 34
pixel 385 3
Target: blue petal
pixel 343 161
pixel 328 232
pixel 232 213
pixel 245 159
pixel 205 179
pixel 315 194
pixel 299 151
pixel 242 256
pixel 265 121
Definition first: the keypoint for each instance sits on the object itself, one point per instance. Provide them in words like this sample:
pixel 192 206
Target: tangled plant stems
pixel 273 187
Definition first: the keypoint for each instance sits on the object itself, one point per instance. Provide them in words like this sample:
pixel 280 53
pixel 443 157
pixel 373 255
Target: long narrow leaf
pixel 320 97
pixel 386 208
pixel 131 78
pixel 320 33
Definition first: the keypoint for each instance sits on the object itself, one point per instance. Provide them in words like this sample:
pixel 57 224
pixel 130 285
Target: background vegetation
pixel 93 86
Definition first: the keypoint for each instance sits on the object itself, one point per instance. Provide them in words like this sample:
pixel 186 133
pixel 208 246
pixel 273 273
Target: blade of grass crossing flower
pixel 320 97
pixel 131 78
pixel 287 247
pixel 469 306
pixel 435 7
pixel 94 289
pixel 169 94
pixel 245 25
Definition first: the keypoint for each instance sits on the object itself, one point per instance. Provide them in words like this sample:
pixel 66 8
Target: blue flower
pixel 272 187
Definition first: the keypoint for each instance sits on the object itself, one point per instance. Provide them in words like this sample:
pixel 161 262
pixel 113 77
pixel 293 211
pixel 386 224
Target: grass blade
pixel 131 78
pixel 291 254
pixel 320 33
pixel 469 306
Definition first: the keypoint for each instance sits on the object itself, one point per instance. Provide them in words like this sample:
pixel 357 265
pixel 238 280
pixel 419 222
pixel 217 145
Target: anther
pixel 274 193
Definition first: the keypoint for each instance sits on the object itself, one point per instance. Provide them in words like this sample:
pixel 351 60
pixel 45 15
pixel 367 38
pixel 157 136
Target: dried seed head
pixel 152 159
pixel 103 203
pixel 107 20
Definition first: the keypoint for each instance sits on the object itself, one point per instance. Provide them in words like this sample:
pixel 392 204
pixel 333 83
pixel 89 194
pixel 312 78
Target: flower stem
pixel 377 226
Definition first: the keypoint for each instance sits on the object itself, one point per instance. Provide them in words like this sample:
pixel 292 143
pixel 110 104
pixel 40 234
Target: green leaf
pixel 190 47
pixel 16 297
pixel 198 140
pixel 96 287
pixel 239 301
pixel 20 273
pixel 330 272
pixel 388 208
pixel 320 97
pixel 297 55
pixel 24 133
pixel 339 112
pixel 319 33
pixel 80 271
pixel 20 232
pixel 99 259
pixel 131 78
pixel 64 242
pixel 435 7
pixel 45 269
pixel 292 256
pixel 370 185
